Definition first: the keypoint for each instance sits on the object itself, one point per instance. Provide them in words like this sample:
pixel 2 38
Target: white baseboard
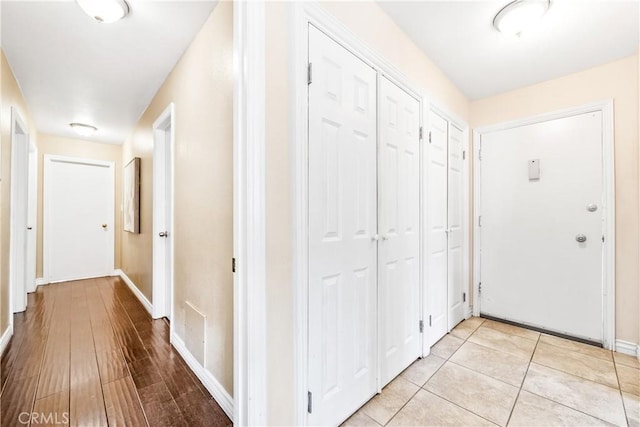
pixel 143 299
pixel 40 281
pixel 208 380
pixel 6 337
pixel 626 347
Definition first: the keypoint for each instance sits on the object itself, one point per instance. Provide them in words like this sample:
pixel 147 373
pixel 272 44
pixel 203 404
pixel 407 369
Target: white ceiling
pixel 574 35
pixel 73 69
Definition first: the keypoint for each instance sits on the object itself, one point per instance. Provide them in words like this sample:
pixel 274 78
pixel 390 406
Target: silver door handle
pixel 104 226
pixel 163 234
pixel 29 228
pixel 581 238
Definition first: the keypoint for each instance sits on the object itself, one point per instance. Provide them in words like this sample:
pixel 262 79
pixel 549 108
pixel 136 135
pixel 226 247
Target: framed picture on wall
pixel 131 182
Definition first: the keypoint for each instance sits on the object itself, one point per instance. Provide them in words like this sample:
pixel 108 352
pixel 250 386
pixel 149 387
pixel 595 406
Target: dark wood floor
pixel 86 353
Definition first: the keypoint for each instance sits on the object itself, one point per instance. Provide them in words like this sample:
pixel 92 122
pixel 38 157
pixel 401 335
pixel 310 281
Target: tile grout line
pixel 561 371
pixel 464 340
pixel 624 407
pixel 432 375
pixel 524 377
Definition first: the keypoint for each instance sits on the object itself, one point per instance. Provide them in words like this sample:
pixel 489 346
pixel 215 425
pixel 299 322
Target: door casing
pixel 163 146
pixel 18 237
pixel 32 209
pixel 608 259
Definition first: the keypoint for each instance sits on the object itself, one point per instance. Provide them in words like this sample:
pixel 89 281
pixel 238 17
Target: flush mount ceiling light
pixel 83 129
pixel 520 15
pixel 105 11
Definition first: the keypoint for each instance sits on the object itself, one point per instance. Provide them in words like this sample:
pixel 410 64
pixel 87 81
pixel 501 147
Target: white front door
pixel 399 211
pixel 457 282
pixel 342 226
pixel 436 228
pixel 163 143
pixel 78 218
pixel 541 195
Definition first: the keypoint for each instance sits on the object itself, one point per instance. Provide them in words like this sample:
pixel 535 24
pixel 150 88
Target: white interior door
pixel 163 139
pixel 32 218
pixel 457 282
pixel 78 218
pixel 342 226
pixel 18 240
pixel 399 212
pixel 436 224
pixel 541 189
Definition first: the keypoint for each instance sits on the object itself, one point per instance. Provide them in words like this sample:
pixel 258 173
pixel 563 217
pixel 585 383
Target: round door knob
pixel 29 228
pixel 104 225
pixel 581 238
pixel 163 234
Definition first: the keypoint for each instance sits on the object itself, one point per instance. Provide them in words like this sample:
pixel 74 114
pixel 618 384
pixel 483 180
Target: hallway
pixel 87 353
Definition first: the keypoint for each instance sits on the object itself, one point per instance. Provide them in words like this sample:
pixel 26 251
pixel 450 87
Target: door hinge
pixel 420 133
pixel 309 73
pixel 602 239
pixel 233 265
pixel 421 326
pixel 429 320
pixel 309 402
pixel 464 297
pixel 479 287
pixel 479 220
pixel 464 154
pixel 429 137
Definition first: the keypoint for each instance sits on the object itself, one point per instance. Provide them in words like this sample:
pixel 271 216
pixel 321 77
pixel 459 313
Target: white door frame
pixel 302 14
pixel 162 287
pixel 249 215
pixel 46 216
pixel 32 212
pixel 609 255
pixel 18 228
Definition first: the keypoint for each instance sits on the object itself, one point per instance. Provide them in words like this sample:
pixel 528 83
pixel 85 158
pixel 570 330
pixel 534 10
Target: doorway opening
pixel 163 188
pixel 19 218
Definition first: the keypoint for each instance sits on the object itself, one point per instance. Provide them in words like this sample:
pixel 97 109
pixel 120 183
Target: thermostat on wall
pixel 534 170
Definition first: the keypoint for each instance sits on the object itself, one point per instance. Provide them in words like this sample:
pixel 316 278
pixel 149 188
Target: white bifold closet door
pixel 399 209
pixel 342 226
pixel 364 231
pixel 444 246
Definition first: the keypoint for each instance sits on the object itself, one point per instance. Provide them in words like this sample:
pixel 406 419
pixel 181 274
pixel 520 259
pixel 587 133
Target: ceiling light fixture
pixel 83 129
pixel 520 15
pixel 105 11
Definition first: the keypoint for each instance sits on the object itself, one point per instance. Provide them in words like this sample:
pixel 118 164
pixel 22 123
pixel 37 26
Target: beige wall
pixel 618 81
pixel 371 25
pixel 71 147
pixel 201 87
pixel 10 96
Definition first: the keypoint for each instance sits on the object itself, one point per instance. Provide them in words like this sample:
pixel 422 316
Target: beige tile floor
pixel 491 373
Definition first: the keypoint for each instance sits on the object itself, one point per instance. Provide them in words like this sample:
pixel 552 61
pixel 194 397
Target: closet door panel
pixel 399 210
pixel 342 223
